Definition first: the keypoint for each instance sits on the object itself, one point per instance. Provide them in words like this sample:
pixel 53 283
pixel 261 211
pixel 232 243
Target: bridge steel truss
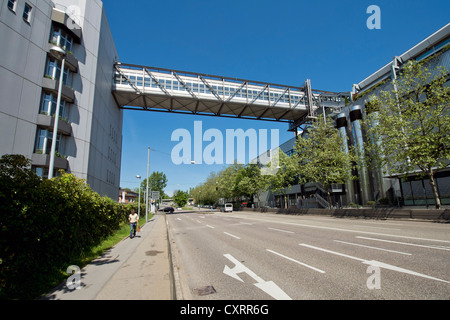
pixel 156 89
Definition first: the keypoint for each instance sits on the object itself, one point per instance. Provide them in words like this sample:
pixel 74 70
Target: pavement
pixel 140 268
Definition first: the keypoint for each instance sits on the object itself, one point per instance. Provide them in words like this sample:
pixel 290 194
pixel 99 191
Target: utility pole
pixel 146 199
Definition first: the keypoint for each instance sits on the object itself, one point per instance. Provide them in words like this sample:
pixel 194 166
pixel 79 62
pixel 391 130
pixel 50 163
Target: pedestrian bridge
pixel 164 90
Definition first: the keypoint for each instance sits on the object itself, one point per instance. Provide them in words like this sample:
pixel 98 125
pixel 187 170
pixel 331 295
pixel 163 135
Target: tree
pixel 286 175
pixel 413 123
pixel 181 198
pixel 249 181
pixel 227 181
pixel 322 158
pixel 156 182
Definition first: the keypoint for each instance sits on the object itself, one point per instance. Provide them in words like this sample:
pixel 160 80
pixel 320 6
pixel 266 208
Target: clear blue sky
pixel 279 41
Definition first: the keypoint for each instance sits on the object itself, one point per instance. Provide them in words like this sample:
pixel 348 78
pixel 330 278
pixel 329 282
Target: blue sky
pixel 280 41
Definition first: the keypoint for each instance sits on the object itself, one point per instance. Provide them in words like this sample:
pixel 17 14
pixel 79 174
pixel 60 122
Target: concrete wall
pixel 22 63
pixel 94 147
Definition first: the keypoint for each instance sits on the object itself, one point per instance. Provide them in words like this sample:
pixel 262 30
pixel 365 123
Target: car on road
pixel 228 207
pixel 168 209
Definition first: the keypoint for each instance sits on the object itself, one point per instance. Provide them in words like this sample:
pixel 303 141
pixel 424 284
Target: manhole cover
pixel 203 291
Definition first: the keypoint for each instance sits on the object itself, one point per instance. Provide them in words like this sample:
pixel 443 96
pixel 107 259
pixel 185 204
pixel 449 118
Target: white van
pixel 228 207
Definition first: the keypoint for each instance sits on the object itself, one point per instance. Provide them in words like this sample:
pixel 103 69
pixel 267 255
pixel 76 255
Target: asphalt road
pixel 248 255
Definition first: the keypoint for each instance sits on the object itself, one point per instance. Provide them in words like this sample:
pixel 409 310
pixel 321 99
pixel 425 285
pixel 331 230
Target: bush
pixel 47 225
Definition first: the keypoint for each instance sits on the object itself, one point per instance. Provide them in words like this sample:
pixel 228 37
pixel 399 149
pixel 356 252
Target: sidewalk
pixel 133 269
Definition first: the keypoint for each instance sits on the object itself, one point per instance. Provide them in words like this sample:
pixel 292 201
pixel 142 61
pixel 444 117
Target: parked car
pixel 168 209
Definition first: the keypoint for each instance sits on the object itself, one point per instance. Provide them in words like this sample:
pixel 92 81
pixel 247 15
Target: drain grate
pixel 203 291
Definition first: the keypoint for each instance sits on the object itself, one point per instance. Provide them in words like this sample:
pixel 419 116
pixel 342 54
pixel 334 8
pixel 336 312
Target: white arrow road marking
pixel 377 263
pixel 268 287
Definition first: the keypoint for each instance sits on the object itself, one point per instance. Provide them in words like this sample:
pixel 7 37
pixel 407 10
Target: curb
pixel 179 284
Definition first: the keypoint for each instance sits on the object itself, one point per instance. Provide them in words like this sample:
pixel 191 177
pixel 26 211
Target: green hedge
pixel 47 225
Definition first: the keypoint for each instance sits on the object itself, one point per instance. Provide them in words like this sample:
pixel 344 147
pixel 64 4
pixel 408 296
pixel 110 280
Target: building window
pixel 27 13
pixel 53 71
pixel 48 105
pixel 12 5
pixel 61 38
pixel 44 142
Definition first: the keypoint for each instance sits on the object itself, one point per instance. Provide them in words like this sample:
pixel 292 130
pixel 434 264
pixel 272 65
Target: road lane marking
pixel 376 263
pixel 364 246
pixel 296 261
pixel 209 226
pixel 231 235
pixel 268 287
pixel 281 230
pixel 408 244
pixel 332 252
pixel 346 230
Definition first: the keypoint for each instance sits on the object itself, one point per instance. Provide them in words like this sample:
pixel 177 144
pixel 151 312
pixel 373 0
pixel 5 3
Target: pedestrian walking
pixel 133 219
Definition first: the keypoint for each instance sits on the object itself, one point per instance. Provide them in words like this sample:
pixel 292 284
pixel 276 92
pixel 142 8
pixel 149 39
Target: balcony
pixel 73 26
pixel 51 85
pixel 71 61
pixel 46 121
pixel 43 160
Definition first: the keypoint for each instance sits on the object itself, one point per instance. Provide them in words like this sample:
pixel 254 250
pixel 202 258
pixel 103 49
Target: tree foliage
pixel 321 157
pixel 47 225
pixel 156 182
pixel 413 123
pixel 285 176
pixel 181 198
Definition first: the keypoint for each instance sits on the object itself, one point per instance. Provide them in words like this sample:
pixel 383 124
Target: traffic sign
pixel 155 195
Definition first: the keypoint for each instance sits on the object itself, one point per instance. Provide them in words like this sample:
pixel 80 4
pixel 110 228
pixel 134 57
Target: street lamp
pixel 58 53
pixel 146 188
pixel 139 201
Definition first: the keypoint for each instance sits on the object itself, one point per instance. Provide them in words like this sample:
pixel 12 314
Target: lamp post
pixel 146 193
pixel 139 201
pixel 58 53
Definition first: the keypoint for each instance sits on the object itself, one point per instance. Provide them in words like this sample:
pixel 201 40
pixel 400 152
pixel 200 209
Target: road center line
pixel 231 235
pixel 382 249
pixel 296 261
pixel 281 230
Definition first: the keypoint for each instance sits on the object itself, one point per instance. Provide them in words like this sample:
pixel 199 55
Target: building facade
pixel 374 185
pixel 89 122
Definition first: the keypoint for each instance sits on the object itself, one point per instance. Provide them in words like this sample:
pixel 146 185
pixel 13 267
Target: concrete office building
pixel 89 122
pixel 374 185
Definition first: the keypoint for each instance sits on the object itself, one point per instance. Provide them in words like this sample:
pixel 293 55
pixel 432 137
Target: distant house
pixel 126 196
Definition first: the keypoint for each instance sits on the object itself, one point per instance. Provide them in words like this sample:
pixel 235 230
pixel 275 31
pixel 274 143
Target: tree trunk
pixel 330 201
pixel 433 185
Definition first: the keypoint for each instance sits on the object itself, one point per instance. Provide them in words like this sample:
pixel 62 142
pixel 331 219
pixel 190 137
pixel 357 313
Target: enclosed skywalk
pixel 164 90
